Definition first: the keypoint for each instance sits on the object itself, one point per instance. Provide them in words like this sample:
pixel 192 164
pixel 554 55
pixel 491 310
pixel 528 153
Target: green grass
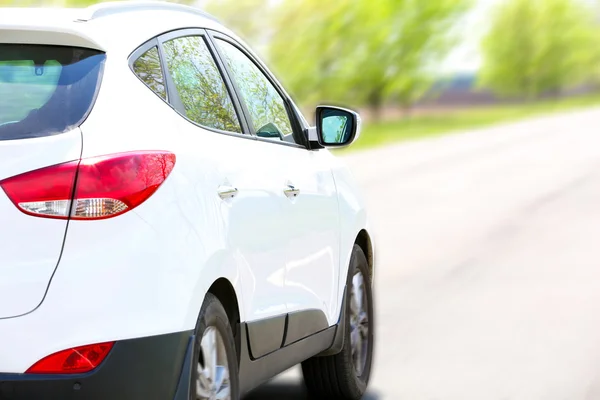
pixel 443 122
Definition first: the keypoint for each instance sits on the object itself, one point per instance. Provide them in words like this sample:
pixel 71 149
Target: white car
pixel 170 225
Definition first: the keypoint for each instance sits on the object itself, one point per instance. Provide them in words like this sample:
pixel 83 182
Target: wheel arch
pixel 363 240
pixel 224 290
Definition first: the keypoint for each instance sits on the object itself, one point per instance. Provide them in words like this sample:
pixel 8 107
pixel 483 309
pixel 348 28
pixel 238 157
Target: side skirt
pixel 255 372
pixel 327 342
pixel 340 333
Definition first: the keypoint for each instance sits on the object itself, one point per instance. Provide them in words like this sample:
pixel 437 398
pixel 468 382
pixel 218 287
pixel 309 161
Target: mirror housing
pixel 336 126
pixel 269 131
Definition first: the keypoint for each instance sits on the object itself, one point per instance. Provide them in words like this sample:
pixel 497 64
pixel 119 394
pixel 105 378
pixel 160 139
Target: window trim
pixel 176 102
pixel 139 52
pixel 297 126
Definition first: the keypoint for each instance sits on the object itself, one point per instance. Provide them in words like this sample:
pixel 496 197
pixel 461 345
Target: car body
pixel 265 219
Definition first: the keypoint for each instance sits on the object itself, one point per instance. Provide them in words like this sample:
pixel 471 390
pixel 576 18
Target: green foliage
pixel 539 46
pixel 362 51
pixel 249 18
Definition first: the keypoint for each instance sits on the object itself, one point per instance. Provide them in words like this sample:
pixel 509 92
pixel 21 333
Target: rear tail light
pixel 91 188
pixel 77 360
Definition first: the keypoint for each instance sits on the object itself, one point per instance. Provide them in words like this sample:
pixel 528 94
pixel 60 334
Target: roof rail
pixel 117 7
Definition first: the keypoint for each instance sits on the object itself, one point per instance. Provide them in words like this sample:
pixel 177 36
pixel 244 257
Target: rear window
pixel 46 90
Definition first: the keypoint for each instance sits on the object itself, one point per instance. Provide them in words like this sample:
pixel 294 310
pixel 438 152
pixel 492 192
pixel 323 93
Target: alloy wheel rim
pixel 359 323
pixel 212 379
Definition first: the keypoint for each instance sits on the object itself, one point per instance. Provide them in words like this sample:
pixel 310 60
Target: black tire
pixel 334 377
pixel 213 314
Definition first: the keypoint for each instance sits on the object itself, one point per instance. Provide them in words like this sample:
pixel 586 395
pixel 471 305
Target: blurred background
pixel 488 256
pixel 417 68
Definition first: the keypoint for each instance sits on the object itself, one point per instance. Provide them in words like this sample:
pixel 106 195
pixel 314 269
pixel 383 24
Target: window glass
pixel 265 104
pixel 45 90
pixel 148 68
pixel 200 85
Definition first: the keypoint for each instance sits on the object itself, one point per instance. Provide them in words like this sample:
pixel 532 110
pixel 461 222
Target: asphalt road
pixel 488 264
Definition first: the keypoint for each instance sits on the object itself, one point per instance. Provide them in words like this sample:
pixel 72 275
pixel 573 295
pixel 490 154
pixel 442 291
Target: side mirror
pixel 337 127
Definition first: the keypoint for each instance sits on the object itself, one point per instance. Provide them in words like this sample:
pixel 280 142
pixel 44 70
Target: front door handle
pixel 227 192
pixel 291 191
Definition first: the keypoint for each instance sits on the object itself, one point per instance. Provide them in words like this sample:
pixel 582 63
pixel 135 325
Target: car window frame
pixel 139 52
pixel 173 93
pixel 297 126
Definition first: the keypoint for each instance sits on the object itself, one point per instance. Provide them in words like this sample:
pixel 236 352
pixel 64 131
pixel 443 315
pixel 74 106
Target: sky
pixel 466 57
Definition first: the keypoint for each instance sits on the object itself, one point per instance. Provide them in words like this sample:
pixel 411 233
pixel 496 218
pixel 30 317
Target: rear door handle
pixel 227 192
pixel 291 191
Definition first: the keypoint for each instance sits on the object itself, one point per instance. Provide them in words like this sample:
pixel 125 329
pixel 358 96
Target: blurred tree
pixel 363 52
pixel 539 46
pixel 249 18
pixel 359 52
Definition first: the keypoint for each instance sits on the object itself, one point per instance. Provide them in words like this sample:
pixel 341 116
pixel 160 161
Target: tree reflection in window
pixel 147 67
pixel 265 105
pixel 200 84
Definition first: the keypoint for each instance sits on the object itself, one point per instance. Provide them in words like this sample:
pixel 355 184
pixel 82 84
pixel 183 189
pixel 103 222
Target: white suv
pixel 170 225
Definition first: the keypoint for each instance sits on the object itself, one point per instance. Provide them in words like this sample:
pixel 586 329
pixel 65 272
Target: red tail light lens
pixel 78 360
pixel 44 192
pixel 105 186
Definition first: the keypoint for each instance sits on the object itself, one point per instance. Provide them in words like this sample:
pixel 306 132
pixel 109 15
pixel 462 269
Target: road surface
pixel 488 279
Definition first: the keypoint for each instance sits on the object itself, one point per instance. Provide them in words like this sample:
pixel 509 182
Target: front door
pixel 309 226
pixel 312 259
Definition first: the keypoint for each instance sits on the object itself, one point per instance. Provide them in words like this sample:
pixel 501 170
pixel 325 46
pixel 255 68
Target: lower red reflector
pixel 77 360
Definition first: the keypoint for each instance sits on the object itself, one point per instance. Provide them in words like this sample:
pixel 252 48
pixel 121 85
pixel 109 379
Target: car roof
pixel 109 26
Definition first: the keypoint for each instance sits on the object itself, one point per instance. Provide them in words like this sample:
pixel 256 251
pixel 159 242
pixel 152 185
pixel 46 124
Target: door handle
pixel 291 191
pixel 227 192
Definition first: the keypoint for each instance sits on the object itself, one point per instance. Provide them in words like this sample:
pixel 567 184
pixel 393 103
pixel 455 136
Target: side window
pixel 265 104
pixel 200 85
pixel 148 69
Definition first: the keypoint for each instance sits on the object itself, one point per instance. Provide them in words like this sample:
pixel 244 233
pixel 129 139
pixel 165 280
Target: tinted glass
pixel 45 90
pixel 148 68
pixel 200 84
pixel 265 104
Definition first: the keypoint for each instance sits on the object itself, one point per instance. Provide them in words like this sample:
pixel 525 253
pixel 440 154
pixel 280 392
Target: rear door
pixel 45 94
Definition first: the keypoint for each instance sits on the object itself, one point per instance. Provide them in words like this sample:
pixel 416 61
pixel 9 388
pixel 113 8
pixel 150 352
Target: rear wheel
pixel 216 374
pixel 346 374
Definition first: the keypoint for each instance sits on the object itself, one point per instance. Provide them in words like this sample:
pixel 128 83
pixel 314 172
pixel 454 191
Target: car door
pixel 232 175
pixel 310 224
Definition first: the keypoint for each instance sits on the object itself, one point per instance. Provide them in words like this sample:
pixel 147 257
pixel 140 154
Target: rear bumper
pixel 156 367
